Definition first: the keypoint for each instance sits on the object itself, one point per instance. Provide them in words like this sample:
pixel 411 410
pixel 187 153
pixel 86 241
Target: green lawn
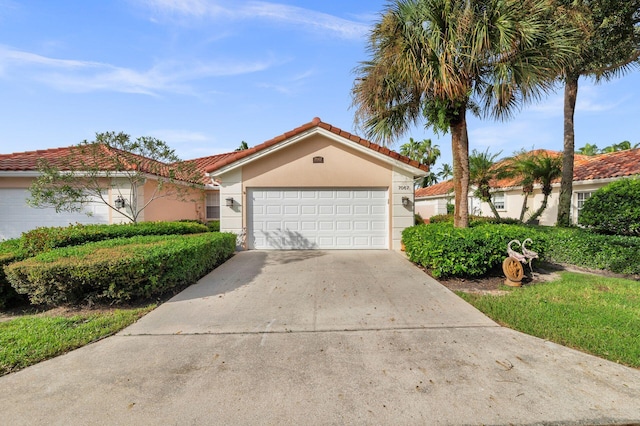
pixel 30 339
pixel 587 312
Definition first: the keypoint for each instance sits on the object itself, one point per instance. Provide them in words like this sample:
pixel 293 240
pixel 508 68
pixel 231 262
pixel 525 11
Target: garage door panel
pixel 317 219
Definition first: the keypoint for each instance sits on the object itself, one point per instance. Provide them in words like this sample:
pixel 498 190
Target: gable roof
pixel 77 157
pixel 585 168
pixel 315 123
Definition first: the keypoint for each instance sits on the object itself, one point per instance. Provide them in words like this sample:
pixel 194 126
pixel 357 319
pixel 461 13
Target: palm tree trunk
pixel 494 210
pixel 538 212
pixel 566 184
pixel 460 150
pixel 524 206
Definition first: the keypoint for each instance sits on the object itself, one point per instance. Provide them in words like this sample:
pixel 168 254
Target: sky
pixel 205 75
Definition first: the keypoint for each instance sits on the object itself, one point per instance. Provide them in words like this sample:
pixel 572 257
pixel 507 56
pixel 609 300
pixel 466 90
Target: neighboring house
pixel 315 187
pixel 19 170
pixel 590 173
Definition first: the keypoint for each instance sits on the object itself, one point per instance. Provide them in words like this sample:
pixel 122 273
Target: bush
pixel 469 252
pixel 614 208
pixel 119 270
pixel 43 239
pixel 474 220
pixel 581 247
pixel 9 252
pixel 214 226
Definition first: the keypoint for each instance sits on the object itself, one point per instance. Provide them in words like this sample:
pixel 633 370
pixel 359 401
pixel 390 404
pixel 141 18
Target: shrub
pixel 581 247
pixel 9 252
pixel 119 270
pixel 214 225
pixel 417 219
pixel 614 208
pixel 474 220
pixel 43 239
pixel 470 252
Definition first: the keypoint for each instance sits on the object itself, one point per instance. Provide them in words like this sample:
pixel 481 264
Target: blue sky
pixel 204 75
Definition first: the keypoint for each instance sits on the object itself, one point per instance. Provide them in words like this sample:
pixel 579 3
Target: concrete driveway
pixel 314 337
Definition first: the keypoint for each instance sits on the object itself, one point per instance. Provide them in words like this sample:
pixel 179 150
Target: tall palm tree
pixel 521 166
pixel 482 171
pixel 437 59
pixel 445 171
pixel 609 46
pixel 544 170
pixel 423 152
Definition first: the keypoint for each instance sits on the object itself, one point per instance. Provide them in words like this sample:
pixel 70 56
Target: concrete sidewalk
pixel 320 338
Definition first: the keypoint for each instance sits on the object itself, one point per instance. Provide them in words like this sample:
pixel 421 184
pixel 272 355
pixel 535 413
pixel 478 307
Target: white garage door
pixel 17 217
pixel 317 219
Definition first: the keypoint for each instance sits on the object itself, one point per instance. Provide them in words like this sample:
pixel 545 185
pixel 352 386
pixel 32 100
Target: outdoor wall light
pixel 229 202
pixel 120 202
pixel 405 201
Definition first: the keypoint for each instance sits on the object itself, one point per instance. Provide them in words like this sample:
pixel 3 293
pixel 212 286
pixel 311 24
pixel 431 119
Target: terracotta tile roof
pixel 75 157
pixel 441 188
pixel 611 165
pixel 585 167
pixel 316 122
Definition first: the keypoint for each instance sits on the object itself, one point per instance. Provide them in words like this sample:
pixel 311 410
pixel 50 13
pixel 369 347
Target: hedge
pixel 9 252
pixel 467 252
pixel 42 239
pixel 474 251
pixel 119 270
pixel 581 247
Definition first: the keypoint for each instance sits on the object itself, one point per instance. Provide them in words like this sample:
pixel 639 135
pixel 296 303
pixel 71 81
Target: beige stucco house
pixel 315 187
pixel 590 173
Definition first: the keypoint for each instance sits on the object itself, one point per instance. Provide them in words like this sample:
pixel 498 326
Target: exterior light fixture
pixel 229 202
pixel 120 202
pixel 405 201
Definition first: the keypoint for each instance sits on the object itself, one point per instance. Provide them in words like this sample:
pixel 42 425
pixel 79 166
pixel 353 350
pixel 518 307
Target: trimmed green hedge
pixel 474 251
pixel 119 270
pixel 43 239
pixel 581 247
pixel 469 252
pixel 474 220
pixel 9 252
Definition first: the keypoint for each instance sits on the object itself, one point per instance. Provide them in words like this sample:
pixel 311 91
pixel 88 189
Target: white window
pixel 213 205
pixel 498 200
pixel 582 197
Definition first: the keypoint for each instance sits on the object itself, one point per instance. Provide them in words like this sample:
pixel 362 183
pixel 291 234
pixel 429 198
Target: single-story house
pixel 590 173
pixel 314 187
pixel 19 170
pixel 317 187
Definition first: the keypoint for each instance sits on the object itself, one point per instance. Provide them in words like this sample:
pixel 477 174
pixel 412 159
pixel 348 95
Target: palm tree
pixel 425 153
pixel 437 59
pixel 589 149
pixel 609 46
pixel 544 170
pixel 521 166
pixel 243 146
pixel 482 171
pixel 445 171
pixel 622 146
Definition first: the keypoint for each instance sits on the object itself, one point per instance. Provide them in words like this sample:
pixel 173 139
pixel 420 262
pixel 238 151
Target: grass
pixel 31 339
pixel 590 313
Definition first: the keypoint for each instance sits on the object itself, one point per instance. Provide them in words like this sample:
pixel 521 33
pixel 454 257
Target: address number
pixel 404 187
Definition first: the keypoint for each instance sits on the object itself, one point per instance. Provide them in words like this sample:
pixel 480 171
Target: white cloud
pixel 308 19
pixel 590 99
pixel 510 137
pixel 86 76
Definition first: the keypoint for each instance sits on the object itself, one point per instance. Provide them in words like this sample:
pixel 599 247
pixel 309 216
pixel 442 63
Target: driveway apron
pixel 320 337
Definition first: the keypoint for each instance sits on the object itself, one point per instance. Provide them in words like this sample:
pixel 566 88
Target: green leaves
pixel 614 208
